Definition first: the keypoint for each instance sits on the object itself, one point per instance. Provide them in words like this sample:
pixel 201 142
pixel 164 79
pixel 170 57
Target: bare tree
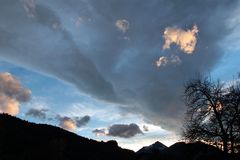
pixel 213 113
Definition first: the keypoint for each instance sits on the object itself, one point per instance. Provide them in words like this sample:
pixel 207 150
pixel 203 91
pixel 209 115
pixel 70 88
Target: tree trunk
pixel 232 145
pixel 225 148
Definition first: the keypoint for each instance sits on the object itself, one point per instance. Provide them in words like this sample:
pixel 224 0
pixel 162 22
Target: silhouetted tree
pixel 213 113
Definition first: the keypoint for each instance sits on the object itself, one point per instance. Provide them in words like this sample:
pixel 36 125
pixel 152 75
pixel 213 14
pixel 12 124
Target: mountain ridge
pixel 41 141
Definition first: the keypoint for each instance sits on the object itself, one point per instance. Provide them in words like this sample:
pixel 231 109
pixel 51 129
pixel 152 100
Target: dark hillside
pixel 22 140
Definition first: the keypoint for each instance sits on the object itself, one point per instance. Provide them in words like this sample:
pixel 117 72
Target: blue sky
pixel 61 98
pixel 118 62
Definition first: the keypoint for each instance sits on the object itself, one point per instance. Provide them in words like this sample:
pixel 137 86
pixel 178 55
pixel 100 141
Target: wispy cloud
pixel 165 60
pixel 175 59
pixel 162 61
pixel 78 21
pixel 29 6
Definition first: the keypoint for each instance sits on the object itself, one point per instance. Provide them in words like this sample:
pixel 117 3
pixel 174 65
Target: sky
pixel 113 69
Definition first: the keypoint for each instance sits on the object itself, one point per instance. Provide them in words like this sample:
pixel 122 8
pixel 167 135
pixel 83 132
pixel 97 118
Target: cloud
pixel 29 6
pixel 67 123
pixel 124 130
pixel 186 40
pixel 12 93
pixel 120 130
pixel 175 59
pixel 162 61
pixel 100 132
pixel 72 123
pixel 105 67
pixel 24 46
pixel 78 21
pixel 82 121
pixel 145 128
pixel 9 105
pixel 123 25
pixel 37 113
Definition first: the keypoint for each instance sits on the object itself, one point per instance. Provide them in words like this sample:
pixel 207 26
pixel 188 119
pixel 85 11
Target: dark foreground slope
pixel 21 140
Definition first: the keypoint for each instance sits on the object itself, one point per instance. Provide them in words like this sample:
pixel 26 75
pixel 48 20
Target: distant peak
pixel 157 146
pixel 158 143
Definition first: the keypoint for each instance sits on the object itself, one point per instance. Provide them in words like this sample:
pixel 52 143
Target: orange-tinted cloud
pixel 186 40
pixel 68 124
pixel 12 94
pixel 8 105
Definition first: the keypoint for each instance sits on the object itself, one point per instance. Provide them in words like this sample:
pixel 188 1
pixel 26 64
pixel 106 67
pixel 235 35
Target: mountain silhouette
pixel 21 140
pixel 183 151
pixel 155 147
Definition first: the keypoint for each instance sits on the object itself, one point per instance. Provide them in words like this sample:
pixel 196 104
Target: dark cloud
pixel 37 113
pixel 145 128
pixel 156 93
pixel 97 59
pixel 124 130
pixel 82 121
pixel 119 130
